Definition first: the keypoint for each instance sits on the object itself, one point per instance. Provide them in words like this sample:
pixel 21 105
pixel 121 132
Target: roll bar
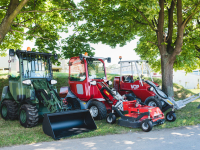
pixel 81 56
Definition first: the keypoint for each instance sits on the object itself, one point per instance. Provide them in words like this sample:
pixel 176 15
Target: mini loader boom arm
pixel 48 96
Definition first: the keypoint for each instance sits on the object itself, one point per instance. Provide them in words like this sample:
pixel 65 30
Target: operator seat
pixel 128 79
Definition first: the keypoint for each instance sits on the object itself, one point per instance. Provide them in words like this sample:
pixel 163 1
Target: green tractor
pixel 32 94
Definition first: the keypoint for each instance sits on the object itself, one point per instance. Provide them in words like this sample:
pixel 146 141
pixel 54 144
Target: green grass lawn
pixel 12 133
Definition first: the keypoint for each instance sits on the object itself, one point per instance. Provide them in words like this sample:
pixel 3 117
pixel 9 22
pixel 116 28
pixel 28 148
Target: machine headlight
pixel 53 82
pixel 109 82
pixel 151 89
pixel 27 82
pixel 93 82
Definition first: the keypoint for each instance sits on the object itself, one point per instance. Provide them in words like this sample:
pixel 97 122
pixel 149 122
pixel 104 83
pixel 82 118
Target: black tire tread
pixel 32 115
pixel 12 109
pixel 102 112
pixel 172 114
pixel 150 125
pixel 113 118
pixel 157 101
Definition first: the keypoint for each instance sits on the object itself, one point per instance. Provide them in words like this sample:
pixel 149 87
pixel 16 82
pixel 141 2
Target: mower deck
pixel 138 114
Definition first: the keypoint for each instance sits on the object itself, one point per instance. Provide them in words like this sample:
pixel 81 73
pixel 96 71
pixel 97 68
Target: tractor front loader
pixel 32 94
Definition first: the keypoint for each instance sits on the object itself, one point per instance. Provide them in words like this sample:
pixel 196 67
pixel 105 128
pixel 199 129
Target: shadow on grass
pixel 12 133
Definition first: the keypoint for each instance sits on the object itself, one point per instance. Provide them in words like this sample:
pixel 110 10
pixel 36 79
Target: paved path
pixel 184 138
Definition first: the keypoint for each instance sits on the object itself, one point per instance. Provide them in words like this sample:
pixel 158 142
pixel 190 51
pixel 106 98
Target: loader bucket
pixel 64 124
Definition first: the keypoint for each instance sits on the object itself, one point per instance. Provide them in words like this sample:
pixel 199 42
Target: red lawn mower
pixel 88 89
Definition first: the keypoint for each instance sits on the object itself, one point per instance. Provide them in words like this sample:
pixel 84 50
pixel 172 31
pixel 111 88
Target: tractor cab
pixel 131 79
pixel 29 68
pixel 84 73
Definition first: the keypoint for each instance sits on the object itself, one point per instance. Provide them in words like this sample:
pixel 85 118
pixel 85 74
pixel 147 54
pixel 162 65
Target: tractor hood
pixel 157 90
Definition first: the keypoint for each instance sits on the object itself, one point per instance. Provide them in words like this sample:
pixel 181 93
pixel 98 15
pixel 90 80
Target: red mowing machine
pixel 138 114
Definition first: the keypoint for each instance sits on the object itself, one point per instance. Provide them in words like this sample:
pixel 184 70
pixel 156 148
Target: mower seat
pixel 128 79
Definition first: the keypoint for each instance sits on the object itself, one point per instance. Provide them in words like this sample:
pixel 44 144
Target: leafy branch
pixel 144 17
pixel 196 10
pixel 30 34
pixel 153 43
pixel 48 11
pixel 18 24
pixel 4 7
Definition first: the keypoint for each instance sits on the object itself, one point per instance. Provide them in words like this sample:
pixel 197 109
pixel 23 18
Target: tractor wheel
pixel 171 116
pixel 153 102
pixel 9 110
pixel 97 110
pixel 28 116
pixel 146 125
pixel 111 118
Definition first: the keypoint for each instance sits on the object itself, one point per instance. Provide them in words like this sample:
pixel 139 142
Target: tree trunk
pixel 167 75
pixel 13 9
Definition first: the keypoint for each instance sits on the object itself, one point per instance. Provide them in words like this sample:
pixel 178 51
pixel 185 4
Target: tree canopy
pixel 168 30
pixel 41 20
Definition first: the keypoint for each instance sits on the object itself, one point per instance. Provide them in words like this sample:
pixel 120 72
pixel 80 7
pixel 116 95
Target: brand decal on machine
pixel 107 93
pixel 134 87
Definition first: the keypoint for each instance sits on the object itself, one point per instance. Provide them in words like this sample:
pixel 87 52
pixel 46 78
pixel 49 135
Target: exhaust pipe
pixel 65 124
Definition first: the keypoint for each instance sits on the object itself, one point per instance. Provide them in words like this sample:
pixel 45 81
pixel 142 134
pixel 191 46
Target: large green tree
pixel 42 20
pixel 168 30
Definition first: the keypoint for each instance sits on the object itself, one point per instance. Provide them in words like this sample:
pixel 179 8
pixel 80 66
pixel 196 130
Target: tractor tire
pixel 146 125
pixel 152 101
pixel 111 118
pixel 9 110
pixel 171 116
pixel 28 116
pixel 97 110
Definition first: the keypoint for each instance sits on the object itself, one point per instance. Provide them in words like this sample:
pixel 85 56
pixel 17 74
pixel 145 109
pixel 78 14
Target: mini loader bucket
pixel 64 124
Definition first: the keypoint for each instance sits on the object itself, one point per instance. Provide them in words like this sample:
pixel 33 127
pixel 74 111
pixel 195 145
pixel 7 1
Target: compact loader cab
pixel 82 73
pixel 27 68
pixel 133 84
pixel 86 74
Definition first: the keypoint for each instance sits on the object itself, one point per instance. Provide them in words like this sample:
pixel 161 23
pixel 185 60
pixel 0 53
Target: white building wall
pixel 188 81
pixel 4 62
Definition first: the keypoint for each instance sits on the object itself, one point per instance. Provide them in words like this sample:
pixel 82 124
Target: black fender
pixel 131 94
pixel 88 103
pixel 151 97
